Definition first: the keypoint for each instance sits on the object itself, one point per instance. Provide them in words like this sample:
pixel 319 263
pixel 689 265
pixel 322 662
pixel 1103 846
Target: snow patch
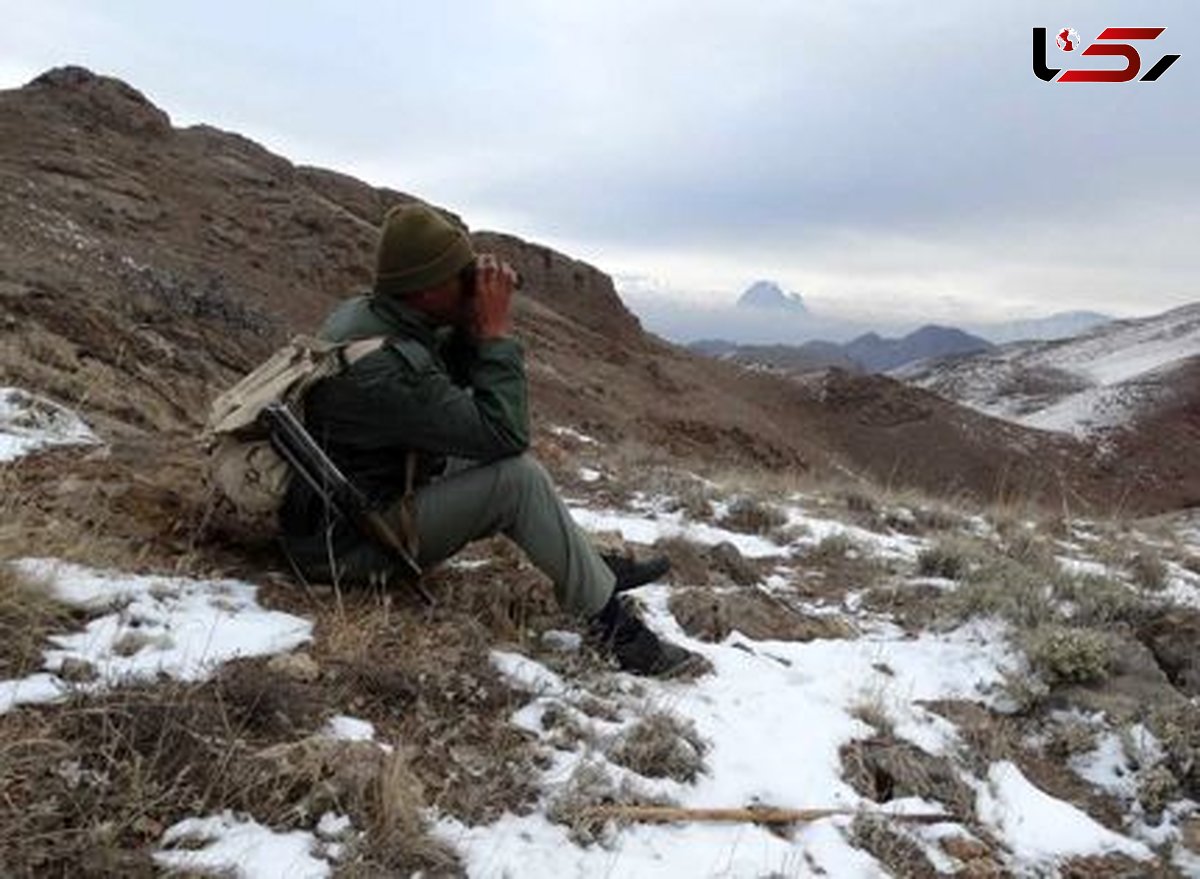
pixel 240 847
pixel 173 626
pixel 639 529
pixel 29 422
pixel 350 729
pixel 1040 829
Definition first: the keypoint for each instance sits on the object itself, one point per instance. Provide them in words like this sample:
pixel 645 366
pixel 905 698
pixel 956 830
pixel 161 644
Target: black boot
pixel 631 573
pixel 639 650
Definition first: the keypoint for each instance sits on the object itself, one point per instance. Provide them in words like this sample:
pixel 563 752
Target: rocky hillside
pixel 143 267
pixel 1129 387
pixel 970 684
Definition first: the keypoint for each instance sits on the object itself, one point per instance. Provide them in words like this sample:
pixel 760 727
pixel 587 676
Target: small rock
pixel 964 848
pixel 298 667
pixel 728 559
pixel 77 671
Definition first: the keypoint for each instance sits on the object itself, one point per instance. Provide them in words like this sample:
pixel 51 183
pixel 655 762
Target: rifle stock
pixel 309 461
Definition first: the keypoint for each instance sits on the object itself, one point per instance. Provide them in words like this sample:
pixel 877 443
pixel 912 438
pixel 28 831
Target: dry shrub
pixel 885 769
pixel 752 516
pixel 661 745
pixel 1069 655
pixel 833 549
pixel 1157 788
pixel 1071 736
pixel 28 613
pixel 1148 570
pixel 564 731
pixel 947 559
pixel 397 841
pixel 91 785
pixel 589 786
pixel 871 709
pixel 892 848
pixel 712 616
pixel 1029 548
pixel 1099 601
pixel 1177 728
pixel 860 501
pixel 1005 588
pixel 425 678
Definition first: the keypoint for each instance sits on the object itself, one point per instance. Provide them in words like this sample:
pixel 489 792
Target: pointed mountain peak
pixel 768 294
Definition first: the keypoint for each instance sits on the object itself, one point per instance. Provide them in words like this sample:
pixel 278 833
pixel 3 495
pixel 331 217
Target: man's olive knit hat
pixel 419 248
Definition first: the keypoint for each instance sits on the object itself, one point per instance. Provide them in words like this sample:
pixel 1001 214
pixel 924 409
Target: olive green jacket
pixel 428 390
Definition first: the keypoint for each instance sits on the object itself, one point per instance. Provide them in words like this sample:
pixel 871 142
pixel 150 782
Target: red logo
pixel 1068 39
pixel 1115 41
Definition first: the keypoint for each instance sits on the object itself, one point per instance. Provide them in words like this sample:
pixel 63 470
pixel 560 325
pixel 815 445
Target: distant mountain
pixel 768 294
pixel 876 354
pixel 790 359
pixel 867 353
pixel 1057 326
pixel 1111 377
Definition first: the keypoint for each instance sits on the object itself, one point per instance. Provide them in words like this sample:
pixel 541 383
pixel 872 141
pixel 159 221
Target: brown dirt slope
pixel 142 267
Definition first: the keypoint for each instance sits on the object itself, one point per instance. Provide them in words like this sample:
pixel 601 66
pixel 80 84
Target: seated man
pixel 449 383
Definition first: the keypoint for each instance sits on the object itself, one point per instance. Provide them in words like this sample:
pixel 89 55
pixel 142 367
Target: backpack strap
pixel 360 348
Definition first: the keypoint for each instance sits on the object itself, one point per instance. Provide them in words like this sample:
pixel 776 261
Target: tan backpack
pixel 243 465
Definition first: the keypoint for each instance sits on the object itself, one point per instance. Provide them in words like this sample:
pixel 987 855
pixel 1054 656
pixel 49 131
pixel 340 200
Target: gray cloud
pixel 868 153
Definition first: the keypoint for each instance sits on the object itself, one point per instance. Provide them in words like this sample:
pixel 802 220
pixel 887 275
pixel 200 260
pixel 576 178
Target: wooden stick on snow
pixel 752 815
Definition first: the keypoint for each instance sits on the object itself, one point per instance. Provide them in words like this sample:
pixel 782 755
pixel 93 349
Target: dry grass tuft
pixel 892 848
pixel 1071 736
pixel 872 710
pixel 397 840
pixel 949 559
pixel 661 745
pixel 884 769
pixel 28 613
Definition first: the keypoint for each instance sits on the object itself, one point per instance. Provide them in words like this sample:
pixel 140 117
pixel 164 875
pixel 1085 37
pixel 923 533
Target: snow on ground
pixel 29 422
pixel 897 546
pixel 231 846
pixel 1040 829
pixel 775 715
pixel 573 434
pixel 637 528
pixel 175 626
pixel 350 729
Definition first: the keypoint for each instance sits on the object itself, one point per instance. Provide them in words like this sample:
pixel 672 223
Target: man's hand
pixel 495 281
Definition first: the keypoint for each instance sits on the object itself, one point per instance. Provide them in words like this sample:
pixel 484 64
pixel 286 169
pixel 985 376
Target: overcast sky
pixel 882 158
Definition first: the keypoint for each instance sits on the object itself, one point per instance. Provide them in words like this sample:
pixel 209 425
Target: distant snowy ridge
pixel 1083 386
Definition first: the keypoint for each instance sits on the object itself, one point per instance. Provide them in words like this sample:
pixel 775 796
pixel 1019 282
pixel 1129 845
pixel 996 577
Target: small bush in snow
pixel 1069 655
pixel 752 516
pixel 661 746
pixel 1157 788
pixel 944 560
pixel 1148 571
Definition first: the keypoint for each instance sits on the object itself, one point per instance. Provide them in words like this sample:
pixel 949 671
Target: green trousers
pixel 514 497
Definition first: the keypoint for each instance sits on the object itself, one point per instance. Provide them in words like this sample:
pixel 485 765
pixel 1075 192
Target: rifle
pixel 308 460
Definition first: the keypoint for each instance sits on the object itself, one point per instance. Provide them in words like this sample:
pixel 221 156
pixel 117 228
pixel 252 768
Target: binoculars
pixel 468 275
